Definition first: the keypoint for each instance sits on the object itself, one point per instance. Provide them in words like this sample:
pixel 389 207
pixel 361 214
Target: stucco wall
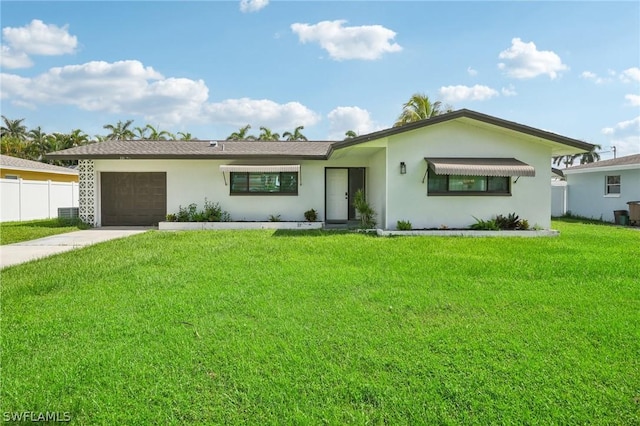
pixel 407 194
pixel 586 195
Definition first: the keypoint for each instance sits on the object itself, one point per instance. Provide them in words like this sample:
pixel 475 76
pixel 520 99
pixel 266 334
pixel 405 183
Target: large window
pixel 258 183
pixel 468 185
pixel 612 185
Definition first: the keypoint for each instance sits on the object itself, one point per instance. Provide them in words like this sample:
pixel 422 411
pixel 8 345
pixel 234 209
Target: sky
pixel 210 67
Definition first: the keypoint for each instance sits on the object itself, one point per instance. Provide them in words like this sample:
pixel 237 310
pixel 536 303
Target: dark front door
pixel 132 198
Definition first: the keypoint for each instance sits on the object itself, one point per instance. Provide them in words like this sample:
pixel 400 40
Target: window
pixel 258 183
pixel 612 185
pixel 468 185
pixel 11 176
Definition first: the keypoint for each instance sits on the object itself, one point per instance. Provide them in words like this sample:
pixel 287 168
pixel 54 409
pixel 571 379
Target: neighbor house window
pixel 258 183
pixel 612 185
pixel 468 185
pixel 11 177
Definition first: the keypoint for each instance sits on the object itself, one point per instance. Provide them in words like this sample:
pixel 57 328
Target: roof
pixel 480 167
pixel 8 162
pixel 473 115
pixel 145 149
pixel 620 163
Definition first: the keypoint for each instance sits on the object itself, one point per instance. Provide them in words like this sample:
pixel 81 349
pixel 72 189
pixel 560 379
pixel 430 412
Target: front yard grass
pixel 264 327
pixel 15 232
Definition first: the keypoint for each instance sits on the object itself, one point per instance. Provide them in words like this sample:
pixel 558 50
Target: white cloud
pixel 11 59
pixel 342 119
pixel 633 100
pixel 630 74
pixel 472 72
pixel 625 136
pixel 509 91
pixel 128 87
pixel 38 38
pixel 367 42
pixel 264 112
pixel 247 6
pixel 523 60
pixel 465 93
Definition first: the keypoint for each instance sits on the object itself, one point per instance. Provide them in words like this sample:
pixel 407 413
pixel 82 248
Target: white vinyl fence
pixel 33 199
pixel 558 198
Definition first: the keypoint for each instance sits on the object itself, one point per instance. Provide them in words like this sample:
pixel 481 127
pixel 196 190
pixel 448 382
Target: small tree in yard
pixel 366 212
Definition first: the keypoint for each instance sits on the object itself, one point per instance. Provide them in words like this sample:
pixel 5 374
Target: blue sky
pixel 210 67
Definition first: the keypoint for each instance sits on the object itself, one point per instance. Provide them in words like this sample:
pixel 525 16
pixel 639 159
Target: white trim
pixel 602 169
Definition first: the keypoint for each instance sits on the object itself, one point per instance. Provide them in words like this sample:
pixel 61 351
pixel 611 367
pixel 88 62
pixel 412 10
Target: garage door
pixel 129 199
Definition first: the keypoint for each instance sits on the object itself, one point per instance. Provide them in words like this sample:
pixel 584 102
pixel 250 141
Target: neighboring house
pixel 597 189
pixel 33 190
pixel 19 168
pixel 443 171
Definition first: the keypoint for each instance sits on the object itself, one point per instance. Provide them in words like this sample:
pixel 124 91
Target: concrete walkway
pixel 14 254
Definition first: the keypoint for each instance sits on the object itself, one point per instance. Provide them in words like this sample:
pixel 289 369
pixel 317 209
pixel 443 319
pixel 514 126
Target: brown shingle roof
pixel 8 162
pixel 621 161
pixel 143 149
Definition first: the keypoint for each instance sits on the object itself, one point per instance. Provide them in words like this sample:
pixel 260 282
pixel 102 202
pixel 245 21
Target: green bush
pixel 367 213
pixel 510 222
pixel 311 215
pixel 212 212
pixel 404 225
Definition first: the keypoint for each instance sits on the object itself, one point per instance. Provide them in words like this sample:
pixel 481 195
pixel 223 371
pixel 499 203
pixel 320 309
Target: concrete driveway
pixel 14 254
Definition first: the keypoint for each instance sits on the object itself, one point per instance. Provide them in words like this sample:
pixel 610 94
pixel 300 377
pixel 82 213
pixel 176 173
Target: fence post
pixel 19 199
pixel 49 199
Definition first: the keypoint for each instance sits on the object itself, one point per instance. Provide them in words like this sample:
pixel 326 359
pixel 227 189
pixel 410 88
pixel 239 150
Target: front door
pixel 341 185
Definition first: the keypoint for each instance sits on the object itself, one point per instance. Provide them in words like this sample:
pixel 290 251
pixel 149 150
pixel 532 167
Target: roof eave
pixel 184 156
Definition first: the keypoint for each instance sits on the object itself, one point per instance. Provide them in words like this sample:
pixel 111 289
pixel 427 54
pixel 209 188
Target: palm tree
pixel 159 135
pixel 185 136
pixel 267 135
pixel 13 128
pixel 241 134
pixel 120 131
pixel 77 138
pixel 141 132
pixel 350 134
pixel 38 143
pixel 14 147
pixel 296 135
pixel 419 107
pixel 591 156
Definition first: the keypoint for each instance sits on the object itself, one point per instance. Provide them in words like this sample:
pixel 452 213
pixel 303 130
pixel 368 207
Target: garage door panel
pixel 133 198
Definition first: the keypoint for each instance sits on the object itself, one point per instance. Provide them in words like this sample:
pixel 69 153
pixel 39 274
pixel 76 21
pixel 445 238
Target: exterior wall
pixel 29 200
pixel 559 192
pixel 407 197
pixel 33 175
pixel 586 195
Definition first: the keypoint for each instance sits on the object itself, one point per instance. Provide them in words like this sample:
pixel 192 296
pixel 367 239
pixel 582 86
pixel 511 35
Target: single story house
pixel 19 168
pixel 443 171
pixel 598 189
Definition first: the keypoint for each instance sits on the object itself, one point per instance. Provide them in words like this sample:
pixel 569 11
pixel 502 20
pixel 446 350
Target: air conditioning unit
pixel 68 212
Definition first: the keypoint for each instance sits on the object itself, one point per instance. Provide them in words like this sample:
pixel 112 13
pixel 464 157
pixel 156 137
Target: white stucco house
pixel 598 189
pixel 442 171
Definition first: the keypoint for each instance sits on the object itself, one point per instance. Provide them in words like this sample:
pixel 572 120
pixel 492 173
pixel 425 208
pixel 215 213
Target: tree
pixel 267 135
pixel 185 136
pixel 10 145
pixel 38 145
pixel 13 128
pixel 120 131
pixel 241 134
pixel 587 157
pixel 591 156
pixel 159 135
pixel 419 107
pixel 141 132
pixel 350 134
pixel 296 135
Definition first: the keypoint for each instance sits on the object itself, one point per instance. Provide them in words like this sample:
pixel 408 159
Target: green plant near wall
pixel 311 215
pixel 404 225
pixel 212 212
pixel 366 212
pixel 274 218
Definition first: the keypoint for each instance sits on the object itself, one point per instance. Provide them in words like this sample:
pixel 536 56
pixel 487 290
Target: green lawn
pixel 15 232
pixel 264 327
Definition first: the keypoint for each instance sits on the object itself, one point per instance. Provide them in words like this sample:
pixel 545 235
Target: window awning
pixel 480 167
pixel 260 169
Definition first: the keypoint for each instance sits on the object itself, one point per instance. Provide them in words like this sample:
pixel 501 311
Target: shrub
pixel 500 222
pixel 403 225
pixel 311 215
pixel 367 214
pixel 212 212
pixel 485 225
pixel 274 218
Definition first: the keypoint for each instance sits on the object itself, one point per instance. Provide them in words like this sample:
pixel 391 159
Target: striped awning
pixel 260 168
pixel 480 167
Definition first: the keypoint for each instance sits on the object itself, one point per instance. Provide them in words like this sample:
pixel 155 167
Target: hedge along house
pixel 441 171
